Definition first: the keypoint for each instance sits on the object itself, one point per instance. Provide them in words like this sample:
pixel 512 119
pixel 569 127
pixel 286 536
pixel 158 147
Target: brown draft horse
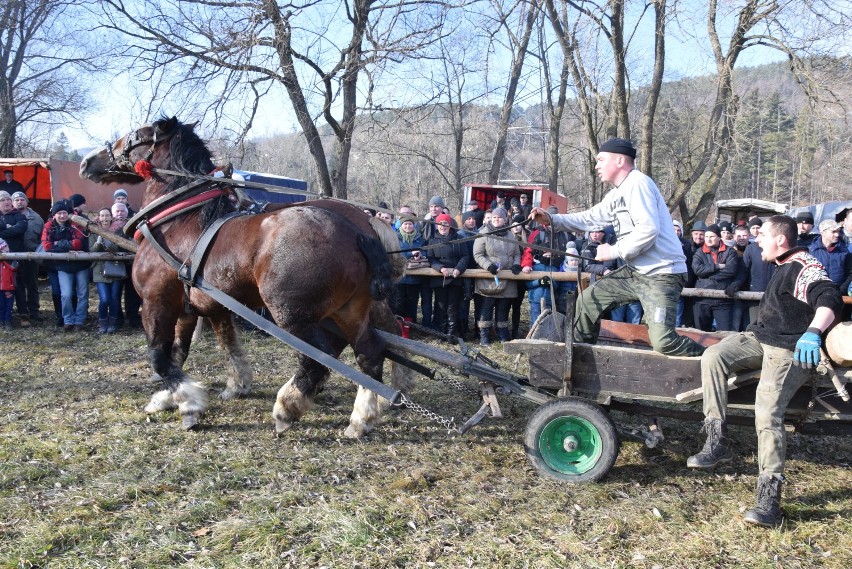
pixel 305 263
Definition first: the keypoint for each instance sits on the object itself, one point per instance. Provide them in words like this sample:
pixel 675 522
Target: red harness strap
pixel 188 203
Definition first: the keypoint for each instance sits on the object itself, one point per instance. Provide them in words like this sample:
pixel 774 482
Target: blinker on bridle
pixel 132 140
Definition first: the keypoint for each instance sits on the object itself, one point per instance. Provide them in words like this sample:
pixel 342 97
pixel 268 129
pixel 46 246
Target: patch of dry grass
pixel 88 480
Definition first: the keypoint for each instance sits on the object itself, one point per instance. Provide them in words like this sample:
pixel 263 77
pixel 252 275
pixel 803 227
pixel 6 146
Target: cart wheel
pixel 571 440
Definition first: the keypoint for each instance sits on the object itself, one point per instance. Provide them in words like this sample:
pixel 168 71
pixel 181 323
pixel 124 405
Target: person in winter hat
pixel 799 305
pixel 655 271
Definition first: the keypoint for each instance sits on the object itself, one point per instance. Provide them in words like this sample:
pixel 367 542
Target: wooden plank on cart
pixel 547 367
pixel 632 372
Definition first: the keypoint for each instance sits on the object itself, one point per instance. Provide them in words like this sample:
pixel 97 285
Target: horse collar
pixel 185 205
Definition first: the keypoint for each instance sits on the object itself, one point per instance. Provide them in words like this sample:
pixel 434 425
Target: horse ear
pixel 166 126
pixel 192 125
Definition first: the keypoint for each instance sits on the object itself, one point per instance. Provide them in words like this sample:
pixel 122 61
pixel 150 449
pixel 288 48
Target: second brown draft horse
pixel 305 263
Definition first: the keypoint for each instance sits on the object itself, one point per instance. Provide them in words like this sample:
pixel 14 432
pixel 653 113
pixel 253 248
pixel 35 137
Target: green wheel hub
pixel 570 445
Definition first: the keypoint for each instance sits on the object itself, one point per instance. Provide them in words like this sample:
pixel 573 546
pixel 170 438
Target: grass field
pixel 88 480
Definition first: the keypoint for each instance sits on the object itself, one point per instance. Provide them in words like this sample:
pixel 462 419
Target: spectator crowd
pixel 23 230
pixel 719 257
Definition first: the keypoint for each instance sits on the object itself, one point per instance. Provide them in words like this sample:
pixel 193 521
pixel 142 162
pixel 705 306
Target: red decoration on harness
pixel 144 169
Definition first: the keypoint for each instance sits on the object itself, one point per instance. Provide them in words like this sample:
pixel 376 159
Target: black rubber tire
pixel 572 411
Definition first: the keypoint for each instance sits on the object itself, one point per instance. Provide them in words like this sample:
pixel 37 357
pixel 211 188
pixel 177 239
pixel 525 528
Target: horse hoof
pixel 282 426
pixel 190 422
pixel 354 432
pixel 229 393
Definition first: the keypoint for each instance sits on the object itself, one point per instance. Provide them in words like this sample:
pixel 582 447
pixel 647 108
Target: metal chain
pixel 448 423
pixel 459 385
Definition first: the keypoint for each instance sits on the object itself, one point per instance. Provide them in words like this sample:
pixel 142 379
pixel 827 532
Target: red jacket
pixel 7 276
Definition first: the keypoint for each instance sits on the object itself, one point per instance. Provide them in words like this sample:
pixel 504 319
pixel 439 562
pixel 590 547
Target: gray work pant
pixel 779 381
pixel 658 294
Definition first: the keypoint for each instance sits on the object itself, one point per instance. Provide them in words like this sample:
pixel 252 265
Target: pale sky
pixel 685 57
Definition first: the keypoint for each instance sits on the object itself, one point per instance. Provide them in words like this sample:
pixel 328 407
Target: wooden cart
pixel 573 438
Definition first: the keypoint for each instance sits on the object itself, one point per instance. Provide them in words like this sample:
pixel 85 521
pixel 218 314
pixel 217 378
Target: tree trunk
pixel 297 99
pixel 646 158
pixel 621 125
pixel 511 90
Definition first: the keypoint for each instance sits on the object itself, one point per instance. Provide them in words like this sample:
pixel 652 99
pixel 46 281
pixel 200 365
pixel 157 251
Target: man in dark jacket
pixel 469 229
pixel 805 222
pixel 833 254
pixel 798 306
pixel 450 259
pixel 759 273
pixel 478 214
pixel 717 267
pixel 13 224
pixel 9 184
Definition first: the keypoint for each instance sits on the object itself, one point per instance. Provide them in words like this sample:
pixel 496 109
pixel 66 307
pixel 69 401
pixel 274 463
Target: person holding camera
pixel 407 289
pixel 535 259
pixel 108 285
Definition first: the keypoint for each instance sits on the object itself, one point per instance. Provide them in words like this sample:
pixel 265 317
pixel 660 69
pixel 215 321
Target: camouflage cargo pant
pixel 658 294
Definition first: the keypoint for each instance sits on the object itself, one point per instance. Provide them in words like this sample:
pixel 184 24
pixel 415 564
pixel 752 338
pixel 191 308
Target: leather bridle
pixel 131 141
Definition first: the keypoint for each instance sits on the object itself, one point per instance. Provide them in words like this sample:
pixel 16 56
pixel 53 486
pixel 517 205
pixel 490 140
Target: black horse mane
pixel 189 154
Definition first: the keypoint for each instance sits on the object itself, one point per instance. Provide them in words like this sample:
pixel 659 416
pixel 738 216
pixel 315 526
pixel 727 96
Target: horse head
pixel 137 155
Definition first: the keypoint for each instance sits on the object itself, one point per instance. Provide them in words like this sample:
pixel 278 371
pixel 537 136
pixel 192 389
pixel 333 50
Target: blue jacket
pixel 759 271
pixel 837 263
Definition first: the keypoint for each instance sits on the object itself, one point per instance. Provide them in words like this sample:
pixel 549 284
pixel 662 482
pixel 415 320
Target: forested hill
pixel 784 149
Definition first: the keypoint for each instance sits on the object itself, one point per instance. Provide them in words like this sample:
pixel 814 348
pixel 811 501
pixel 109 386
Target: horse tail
pixel 381 283
pixel 390 241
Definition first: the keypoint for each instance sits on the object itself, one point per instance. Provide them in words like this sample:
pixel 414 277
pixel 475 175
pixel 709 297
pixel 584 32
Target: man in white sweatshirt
pixel 655 266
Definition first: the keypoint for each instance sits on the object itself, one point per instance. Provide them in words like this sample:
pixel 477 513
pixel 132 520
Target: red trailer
pixel 47 180
pixel 540 196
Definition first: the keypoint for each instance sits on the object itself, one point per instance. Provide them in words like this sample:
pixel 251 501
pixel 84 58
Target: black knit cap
pixel 805 216
pixel 619 146
pixel 77 200
pixel 713 228
pixel 60 206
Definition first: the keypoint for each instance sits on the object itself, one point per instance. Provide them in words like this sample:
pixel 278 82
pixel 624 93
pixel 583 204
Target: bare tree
pixel 318 51
pixel 47 67
pixel 801 31
pixel 518 40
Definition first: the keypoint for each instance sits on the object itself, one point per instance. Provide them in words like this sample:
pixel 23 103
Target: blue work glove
pixel 807 349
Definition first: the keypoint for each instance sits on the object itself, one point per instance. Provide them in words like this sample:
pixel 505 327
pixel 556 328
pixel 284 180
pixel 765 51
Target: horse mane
pixel 189 155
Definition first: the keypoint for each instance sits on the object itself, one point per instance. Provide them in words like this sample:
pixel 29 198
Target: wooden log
pixel 483 274
pixel 734 382
pixel 637 334
pixel 69 256
pixel 711 293
pixel 838 344
pixel 91 227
